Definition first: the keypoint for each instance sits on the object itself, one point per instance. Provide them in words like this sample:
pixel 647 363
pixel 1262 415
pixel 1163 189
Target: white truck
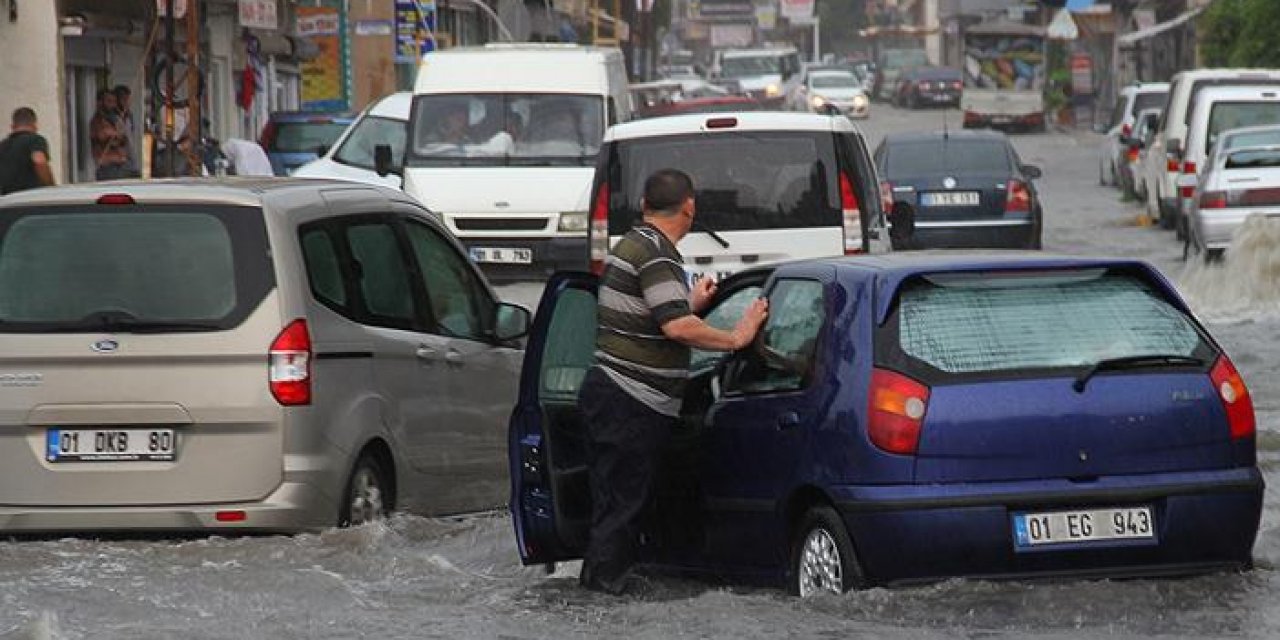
pixel 1004 74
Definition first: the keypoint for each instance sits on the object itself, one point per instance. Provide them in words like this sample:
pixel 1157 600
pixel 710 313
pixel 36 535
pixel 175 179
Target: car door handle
pixel 430 354
pixel 788 420
pixel 454 357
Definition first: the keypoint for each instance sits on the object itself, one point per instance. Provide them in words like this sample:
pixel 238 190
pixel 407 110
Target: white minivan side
pixel 502 144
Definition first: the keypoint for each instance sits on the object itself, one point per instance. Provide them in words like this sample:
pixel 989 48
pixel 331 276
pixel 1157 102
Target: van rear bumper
pixel 549 256
pixel 1205 520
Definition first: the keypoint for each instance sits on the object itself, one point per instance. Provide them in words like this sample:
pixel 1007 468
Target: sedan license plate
pixel 949 199
pixel 502 255
pixel 1085 525
pixel 111 445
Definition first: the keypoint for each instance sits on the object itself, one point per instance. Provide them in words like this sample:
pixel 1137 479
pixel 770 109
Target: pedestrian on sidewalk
pixel 631 398
pixel 24 155
pixel 127 127
pixel 110 147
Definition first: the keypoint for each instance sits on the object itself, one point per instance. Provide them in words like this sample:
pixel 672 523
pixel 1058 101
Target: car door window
pixel 570 346
pixel 724 316
pixel 457 300
pixel 383 274
pixel 324 268
pixel 783 355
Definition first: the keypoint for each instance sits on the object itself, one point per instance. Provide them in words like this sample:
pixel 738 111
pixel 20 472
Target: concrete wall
pixel 30 75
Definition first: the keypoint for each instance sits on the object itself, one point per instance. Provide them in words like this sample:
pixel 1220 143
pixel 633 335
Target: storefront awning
pixel 1129 39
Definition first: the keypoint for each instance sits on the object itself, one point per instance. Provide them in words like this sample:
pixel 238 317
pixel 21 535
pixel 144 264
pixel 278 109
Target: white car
pixel 831 87
pixel 1240 182
pixel 1132 99
pixel 351 157
pixel 1144 128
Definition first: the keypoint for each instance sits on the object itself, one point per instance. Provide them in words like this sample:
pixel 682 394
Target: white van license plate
pixel 1088 525
pixel 949 199
pixel 502 255
pixel 111 445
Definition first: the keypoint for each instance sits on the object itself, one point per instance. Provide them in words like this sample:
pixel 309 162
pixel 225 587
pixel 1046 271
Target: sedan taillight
pixel 1018 198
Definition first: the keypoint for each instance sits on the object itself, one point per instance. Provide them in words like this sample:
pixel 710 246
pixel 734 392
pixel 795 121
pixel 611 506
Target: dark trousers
pixel 625 439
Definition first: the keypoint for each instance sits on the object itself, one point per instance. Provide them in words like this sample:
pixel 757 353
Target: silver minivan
pixel 258 355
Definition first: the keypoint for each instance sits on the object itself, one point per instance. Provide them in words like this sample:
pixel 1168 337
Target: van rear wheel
pixel 822 557
pixel 367 496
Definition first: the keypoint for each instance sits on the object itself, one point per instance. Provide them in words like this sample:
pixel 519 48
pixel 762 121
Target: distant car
pixel 1133 99
pixel 929 86
pixel 965 189
pixel 824 88
pixel 294 138
pixel 679 71
pixel 715 104
pixel 1237 183
pixel 352 156
pixel 1133 174
pixel 917 417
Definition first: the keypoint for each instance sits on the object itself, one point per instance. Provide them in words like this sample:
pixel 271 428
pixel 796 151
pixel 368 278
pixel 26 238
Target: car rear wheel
pixel 822 557
pixel 367 497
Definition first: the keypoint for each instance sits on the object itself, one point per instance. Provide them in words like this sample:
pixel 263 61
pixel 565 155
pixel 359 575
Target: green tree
pixel 1240 33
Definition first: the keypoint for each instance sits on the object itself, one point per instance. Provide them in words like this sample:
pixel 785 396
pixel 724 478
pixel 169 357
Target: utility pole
pixel 195 122
pixel 171 155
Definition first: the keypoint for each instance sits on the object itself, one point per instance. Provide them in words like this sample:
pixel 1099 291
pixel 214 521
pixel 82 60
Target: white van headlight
pixel 817 101
pixel 859 101
pixel 772 90
pixel 573 221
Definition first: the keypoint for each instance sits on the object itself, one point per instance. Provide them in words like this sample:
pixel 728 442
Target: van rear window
pixel 131 269
pixel 743 181
pixel 1007 322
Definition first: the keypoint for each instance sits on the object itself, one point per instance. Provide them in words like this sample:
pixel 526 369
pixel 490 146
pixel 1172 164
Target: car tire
pixel 367 496
pixel 822 556
pixel 1167 221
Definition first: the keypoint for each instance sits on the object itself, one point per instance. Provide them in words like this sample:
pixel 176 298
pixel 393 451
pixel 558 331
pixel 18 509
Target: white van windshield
pixel 506 129
pixel 746 67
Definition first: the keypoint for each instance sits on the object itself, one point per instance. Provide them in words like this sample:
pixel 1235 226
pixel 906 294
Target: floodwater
pixel 460 578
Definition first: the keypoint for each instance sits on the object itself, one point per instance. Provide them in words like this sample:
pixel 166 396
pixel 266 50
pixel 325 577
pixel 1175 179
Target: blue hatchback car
pixel 915 417
pixel 294 138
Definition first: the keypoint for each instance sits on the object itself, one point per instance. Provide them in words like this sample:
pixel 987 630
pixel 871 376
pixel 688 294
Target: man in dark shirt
pixel 631 398
pixel 24 155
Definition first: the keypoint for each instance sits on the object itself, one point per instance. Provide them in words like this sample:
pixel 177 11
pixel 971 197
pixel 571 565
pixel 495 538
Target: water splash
pixel 1245 285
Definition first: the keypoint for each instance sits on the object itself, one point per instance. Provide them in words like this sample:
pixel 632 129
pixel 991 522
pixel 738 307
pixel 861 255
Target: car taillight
pixel 1235 398
pixel 956 85
pixel 924 86
pixel 1172 163
pixel 1188 169
pixel 886 196
pixel 599 231
pixel 1132 154
pixel 1213 200
pixel 898 405
pixel 1018 198
pixel 289 365
pixel 850 216
pixel 1126 130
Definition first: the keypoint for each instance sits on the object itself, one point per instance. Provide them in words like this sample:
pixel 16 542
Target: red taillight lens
pixel 1018 199
pixel 1132 154
pixel 598 234
pixel 1213 200
pixel 116 198
pixel 851 216
pixel 1235 398
pixel 956 85
pixel 898 405
pixel 1189 167
pixel 886 196
pixel 1126 130
pixel 1172 164
pixel 289 365
pixel 268 136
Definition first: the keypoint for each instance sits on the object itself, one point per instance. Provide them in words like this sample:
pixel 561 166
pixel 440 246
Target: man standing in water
pixel 630 399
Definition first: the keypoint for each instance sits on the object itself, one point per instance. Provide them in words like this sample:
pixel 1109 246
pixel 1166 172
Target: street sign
pixel 1063 27
pixel 258 14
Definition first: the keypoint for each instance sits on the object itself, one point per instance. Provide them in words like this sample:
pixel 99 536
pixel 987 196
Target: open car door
pixel 547 446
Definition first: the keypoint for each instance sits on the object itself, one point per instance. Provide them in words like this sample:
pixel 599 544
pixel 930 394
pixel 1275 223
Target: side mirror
pixel 902 225
pixel 511 321
pixel 321 150
pixel 1031 171
pixel 382 164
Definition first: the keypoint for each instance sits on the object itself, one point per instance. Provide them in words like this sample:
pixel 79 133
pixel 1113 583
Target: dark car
pixel 915 417
pixel 965 189
pixel 929 86
pixel 294 138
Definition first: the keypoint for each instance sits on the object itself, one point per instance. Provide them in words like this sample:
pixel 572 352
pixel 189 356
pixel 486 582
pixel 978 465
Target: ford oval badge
pixel 949 182
pixel 106 345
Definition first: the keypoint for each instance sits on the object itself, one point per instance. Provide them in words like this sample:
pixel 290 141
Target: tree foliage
pixel 1240 33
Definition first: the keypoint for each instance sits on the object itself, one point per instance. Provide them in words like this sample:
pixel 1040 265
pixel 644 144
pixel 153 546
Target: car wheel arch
pixel 799 503
pixel 380 451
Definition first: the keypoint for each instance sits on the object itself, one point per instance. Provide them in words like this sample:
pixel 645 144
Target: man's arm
pixel 40 161
pixel 694 332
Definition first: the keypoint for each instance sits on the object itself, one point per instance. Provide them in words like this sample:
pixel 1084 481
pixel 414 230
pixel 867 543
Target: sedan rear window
pixel 131 270
pixel 985 323
pixel 955 157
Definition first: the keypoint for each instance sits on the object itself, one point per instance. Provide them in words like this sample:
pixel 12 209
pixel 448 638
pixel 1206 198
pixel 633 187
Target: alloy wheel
pixel 367 503
pixel 820 564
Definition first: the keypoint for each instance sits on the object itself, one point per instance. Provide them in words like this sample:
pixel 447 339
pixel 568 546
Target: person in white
pixel 247 157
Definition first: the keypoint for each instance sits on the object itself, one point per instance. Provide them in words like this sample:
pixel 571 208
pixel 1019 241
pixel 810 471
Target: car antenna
pixel 946 135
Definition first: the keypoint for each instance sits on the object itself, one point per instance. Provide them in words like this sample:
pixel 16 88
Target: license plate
pixel 502 255
pixel 111 445
pixel 1085 525
pixel 949 199
pixel 1001 119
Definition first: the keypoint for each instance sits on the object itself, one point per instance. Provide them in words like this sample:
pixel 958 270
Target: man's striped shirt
pixel 643 287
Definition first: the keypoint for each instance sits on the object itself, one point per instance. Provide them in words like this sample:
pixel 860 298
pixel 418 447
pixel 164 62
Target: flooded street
pixel 461 578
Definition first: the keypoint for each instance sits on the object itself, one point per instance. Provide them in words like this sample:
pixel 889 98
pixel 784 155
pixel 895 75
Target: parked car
pixel 294 138
pixel 916 417
pixel 1165 158
pixel 1132 175
pixel 929 86
pixel 244 355
pixel 890 65
pixel 966 189
pixel 352 156
pixel 1238 182
pixel 823 89
pixel 1132 99
pixel 770 186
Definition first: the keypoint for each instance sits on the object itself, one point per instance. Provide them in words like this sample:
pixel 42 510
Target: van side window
pixel 458 302
pixel 612 115
pixel 784 355
pixel 382 273
pixel 324 268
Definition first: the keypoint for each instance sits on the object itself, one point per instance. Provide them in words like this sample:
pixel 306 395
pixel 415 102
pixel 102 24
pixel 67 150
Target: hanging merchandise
pixel 251 75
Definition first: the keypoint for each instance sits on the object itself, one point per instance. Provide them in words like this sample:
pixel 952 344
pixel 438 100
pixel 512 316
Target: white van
pixel 767 74
pixel 1166 146
pixel 1216 110
pixel 503 142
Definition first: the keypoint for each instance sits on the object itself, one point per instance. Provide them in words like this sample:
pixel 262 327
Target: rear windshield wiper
pixel 1134 362
pixel 699 226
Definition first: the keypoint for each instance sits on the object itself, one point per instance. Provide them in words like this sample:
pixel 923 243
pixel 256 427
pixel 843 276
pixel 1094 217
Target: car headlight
pixel 859 101
pixel 772 90
pixel 817 101
pixel 573 221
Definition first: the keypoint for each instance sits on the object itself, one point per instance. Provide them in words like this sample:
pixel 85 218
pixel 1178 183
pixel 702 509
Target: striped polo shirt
pixel 643 287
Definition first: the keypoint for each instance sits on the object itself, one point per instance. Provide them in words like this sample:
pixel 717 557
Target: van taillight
pixel 1172 163
pixel 850 216
pixel 898 405
pixel 289 365
pixel 1126 130
pixel 1235 398
pixel 1132 154
pixel 599 231
pixel 1018 198
pixel 1188 168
